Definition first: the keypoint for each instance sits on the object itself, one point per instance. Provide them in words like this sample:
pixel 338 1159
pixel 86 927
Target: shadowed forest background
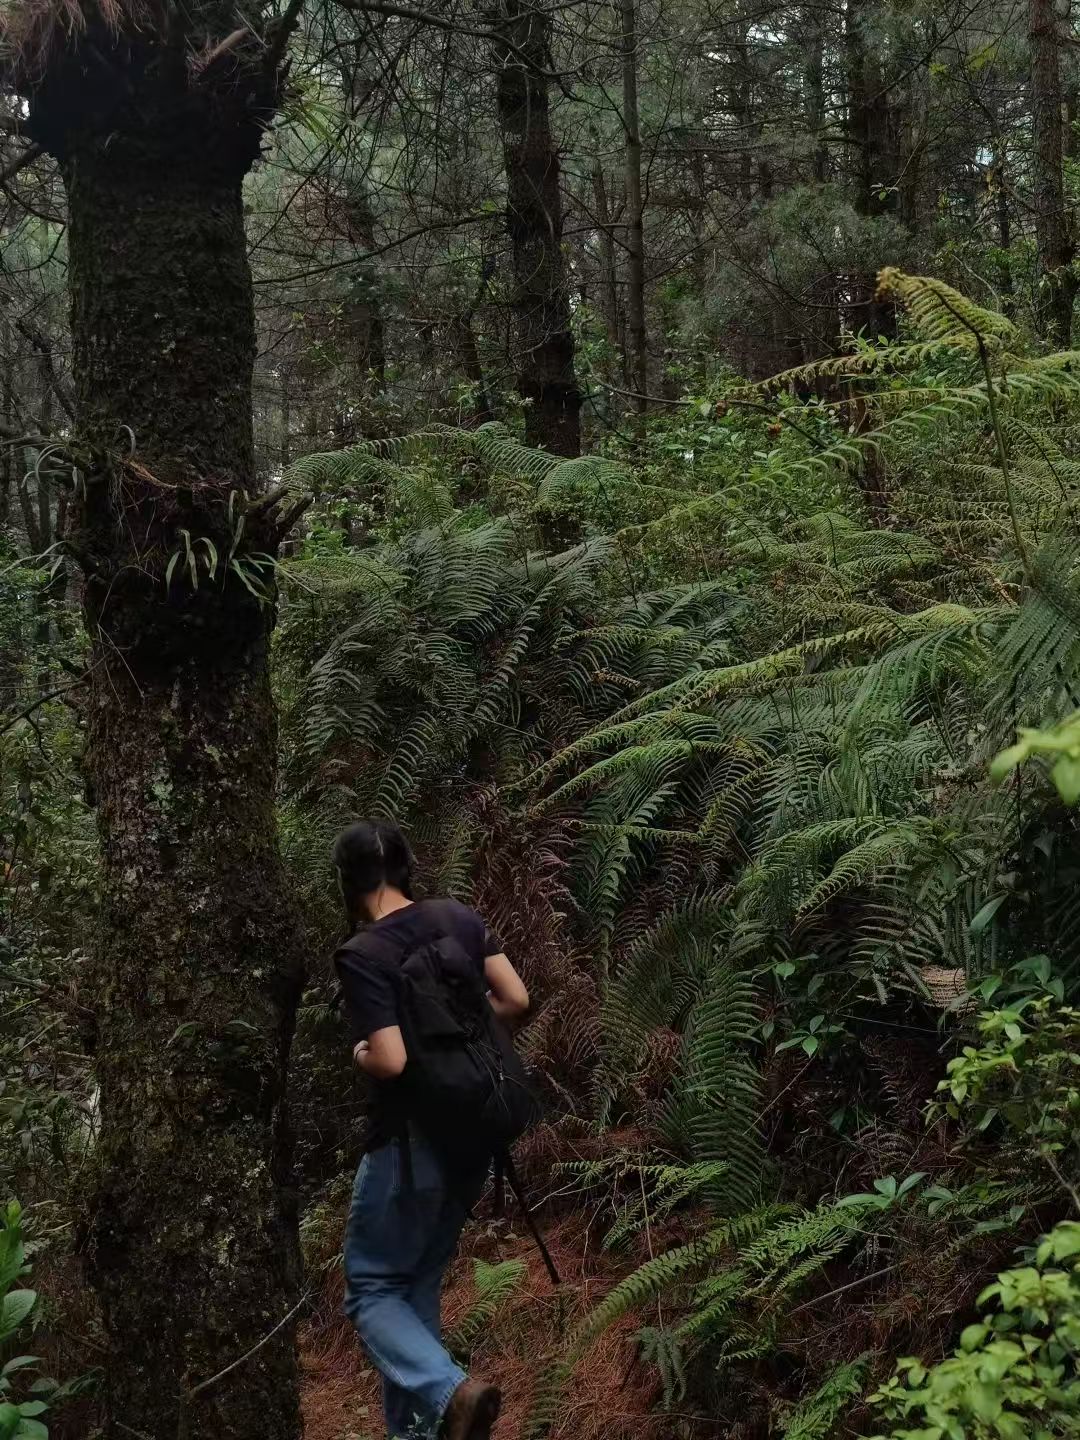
pixel 637 446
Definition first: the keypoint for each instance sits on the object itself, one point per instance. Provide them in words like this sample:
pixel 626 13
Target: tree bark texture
pixel 814 89
pixel 363 310
pixel 871 132
pixel 190 1232
pixel 546 378
pixel 1053 228
pixel 637 335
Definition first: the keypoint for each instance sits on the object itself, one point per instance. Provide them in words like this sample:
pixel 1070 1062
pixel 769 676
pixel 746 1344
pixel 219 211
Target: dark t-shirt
pixel 368 967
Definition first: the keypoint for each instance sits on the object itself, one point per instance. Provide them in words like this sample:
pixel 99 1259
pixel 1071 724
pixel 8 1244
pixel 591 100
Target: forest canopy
pixel 636 447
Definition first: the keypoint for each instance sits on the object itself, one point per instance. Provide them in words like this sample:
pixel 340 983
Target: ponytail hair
pixel 366 856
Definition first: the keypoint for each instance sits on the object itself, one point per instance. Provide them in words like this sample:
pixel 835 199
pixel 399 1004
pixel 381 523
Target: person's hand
pixel 360 1049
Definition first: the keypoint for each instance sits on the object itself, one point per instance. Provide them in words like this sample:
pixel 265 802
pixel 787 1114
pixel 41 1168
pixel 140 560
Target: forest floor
pixel 611 1397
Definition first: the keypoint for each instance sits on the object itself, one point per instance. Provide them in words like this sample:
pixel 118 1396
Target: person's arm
pixel 382 1055
pixel 371 1006
pixel 508 996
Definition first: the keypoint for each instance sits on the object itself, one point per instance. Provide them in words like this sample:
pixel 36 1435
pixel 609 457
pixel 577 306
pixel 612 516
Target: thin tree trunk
pixel 814 90
pixel 364 314
pixel 870 132
pixel 609 281
pixel 999 186
pixel 546 379
pixel 1053 231
pixel 54 587
pixel 1071 88
pixel 637 336
pixel 285 447
pixel 7 411
pixel 190 1229
pixel 481 412
pixel 741 102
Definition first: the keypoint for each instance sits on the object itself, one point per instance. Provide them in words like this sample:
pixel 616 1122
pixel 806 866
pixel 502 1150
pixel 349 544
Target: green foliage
pixel 1015 1375
pixel 19 1419
pixel 815 1418
pixel 1061 741
pixel 714 1106
pixel 495 1285
pixel 1026 1070
pixel 825 790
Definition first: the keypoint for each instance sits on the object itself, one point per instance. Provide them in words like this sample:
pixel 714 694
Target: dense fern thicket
pixel 746 717
pixel 705 726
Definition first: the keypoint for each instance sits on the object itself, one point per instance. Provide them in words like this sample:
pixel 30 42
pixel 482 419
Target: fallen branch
pixel 182 1425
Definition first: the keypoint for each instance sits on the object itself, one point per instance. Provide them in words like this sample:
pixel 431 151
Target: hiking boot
pixel 472 1412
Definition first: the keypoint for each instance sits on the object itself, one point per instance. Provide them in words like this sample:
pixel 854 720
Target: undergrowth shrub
pixel 746 720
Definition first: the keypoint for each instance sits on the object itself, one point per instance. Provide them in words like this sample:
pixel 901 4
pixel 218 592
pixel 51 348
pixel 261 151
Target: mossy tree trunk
pixel 190 1234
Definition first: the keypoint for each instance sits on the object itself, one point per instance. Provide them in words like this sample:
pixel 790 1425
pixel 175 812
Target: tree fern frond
pixel 940 314
pixel 716 1100
pixel 494 1285
pixel 816 1416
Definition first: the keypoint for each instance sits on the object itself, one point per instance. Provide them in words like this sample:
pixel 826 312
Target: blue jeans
pixel 399 1240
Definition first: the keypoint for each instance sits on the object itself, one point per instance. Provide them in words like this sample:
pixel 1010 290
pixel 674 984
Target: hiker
pixel 427 994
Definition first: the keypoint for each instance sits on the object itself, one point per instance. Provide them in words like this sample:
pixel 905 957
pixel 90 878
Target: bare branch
pixel 29 155
pixel 451 224
pixel 279 33
pixel 28 710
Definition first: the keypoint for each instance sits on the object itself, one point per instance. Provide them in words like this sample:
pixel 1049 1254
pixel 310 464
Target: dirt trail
pixel 609 1399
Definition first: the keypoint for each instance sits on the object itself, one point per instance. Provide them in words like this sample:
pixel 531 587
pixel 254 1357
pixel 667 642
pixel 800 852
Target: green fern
pixel 495 1285
pixel 816 1417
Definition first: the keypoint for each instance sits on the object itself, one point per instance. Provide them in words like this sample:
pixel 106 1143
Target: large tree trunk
pixel 190 1232
pixel 545 343
pixel 1053 230
pixel 637 335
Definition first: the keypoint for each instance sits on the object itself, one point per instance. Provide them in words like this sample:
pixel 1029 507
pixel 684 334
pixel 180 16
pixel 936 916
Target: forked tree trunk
pixel 546 379
pixel 191 1236
pixel 1053 230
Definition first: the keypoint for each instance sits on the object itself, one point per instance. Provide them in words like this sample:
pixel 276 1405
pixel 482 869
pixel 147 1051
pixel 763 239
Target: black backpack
pixel 464 1088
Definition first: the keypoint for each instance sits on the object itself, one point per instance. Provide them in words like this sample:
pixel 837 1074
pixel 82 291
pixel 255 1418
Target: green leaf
pixel 911 1181
pixel 1066 776
pixel 20 1362
pixel 211 554
pixel 14 1309
pixel 973 1336
pixel 986 914
pixel 1008 760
